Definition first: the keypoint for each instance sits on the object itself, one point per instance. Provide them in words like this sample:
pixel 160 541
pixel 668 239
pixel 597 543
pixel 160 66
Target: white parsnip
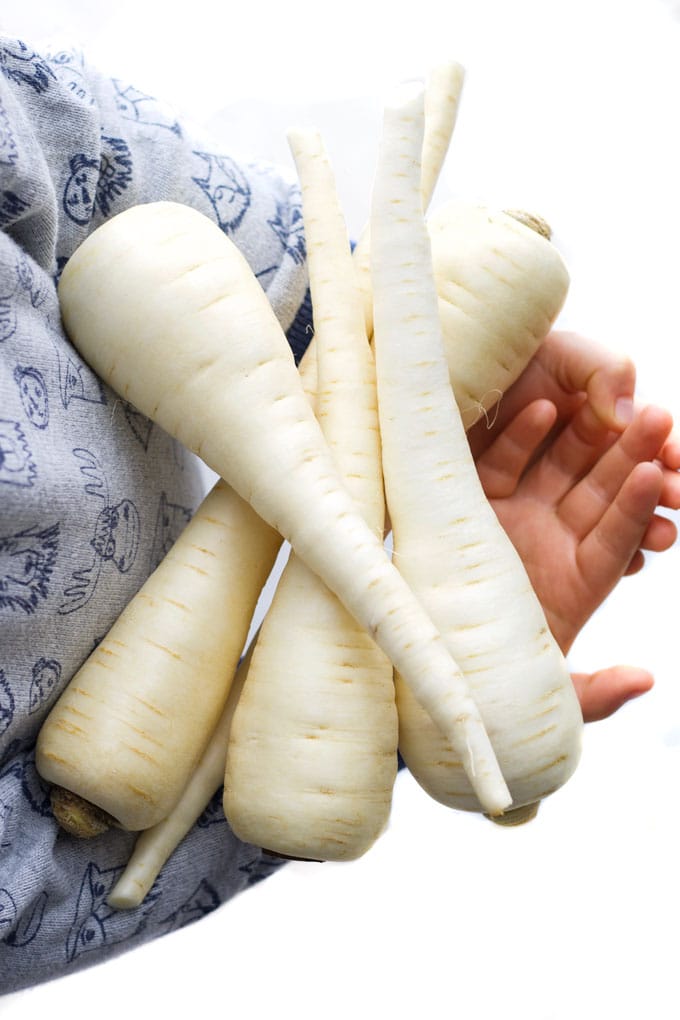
pixel 443 92
pixel 448 542
pixel 128 730
pixel 485 258
pixel 167 311
pixel 312 756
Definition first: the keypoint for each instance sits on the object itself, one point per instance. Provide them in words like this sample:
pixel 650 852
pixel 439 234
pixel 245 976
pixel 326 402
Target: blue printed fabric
pixel 92 494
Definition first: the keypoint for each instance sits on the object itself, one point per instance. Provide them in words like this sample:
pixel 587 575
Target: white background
pixel 571 108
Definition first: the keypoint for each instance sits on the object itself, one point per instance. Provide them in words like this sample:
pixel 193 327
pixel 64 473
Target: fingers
pixel 582 505
pixel 670 455
pixel 635 565
pixel 501 466
pixel 566 369
pixel 606 552
pixel 670 494
pixel 604 692
pixel 570 455
pixel 661 534
pixel 579 364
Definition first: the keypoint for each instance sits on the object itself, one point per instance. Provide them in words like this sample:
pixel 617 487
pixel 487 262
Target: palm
pixel 569 575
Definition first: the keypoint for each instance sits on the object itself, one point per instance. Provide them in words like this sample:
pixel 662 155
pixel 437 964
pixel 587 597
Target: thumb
pixel 602 693
pixel 608 378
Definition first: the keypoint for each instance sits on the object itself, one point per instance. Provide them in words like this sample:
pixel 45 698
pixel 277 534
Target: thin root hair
pixel 478 406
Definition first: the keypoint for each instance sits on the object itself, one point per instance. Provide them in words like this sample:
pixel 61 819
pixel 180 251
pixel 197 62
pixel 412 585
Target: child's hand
pixel 570 370
pixel 578 500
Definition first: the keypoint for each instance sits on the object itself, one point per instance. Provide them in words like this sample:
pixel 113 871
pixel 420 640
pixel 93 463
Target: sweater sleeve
pixel 91 493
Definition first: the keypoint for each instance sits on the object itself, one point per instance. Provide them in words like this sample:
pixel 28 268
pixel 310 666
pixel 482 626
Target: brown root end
pixel 531 220
pixel 517 816
pixel 77 816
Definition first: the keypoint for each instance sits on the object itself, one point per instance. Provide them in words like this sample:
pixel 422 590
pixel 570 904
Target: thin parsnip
pixel 448 542
pixel 165 309
pixel 312 754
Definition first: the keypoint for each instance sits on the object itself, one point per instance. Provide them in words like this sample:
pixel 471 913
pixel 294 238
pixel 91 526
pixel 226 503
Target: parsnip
pixel 128 730
pixel 241 556
pixel 512 246
pixel 166 310
pixel 501 284
pixel 312 755
pixel 448 542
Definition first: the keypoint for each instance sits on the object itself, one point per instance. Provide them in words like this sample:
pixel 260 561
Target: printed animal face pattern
pixel 94 185
pixel 115 535
pixel 33 392
pixel 27 562
pixel 92 495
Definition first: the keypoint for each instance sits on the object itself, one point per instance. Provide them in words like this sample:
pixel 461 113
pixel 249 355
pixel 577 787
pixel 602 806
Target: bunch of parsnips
pixel 440 649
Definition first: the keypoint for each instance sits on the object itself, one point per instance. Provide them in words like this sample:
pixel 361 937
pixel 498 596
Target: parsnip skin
pixel 243 531
pixel 496 304
pixel 130 727
pixel 481 379
pixel 312 756
pixel 448 542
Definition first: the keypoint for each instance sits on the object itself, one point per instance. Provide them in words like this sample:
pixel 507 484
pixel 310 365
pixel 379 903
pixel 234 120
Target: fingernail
pixel 623 409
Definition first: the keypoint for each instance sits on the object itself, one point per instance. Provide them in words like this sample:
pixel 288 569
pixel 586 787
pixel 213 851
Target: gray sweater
pixel 92 494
